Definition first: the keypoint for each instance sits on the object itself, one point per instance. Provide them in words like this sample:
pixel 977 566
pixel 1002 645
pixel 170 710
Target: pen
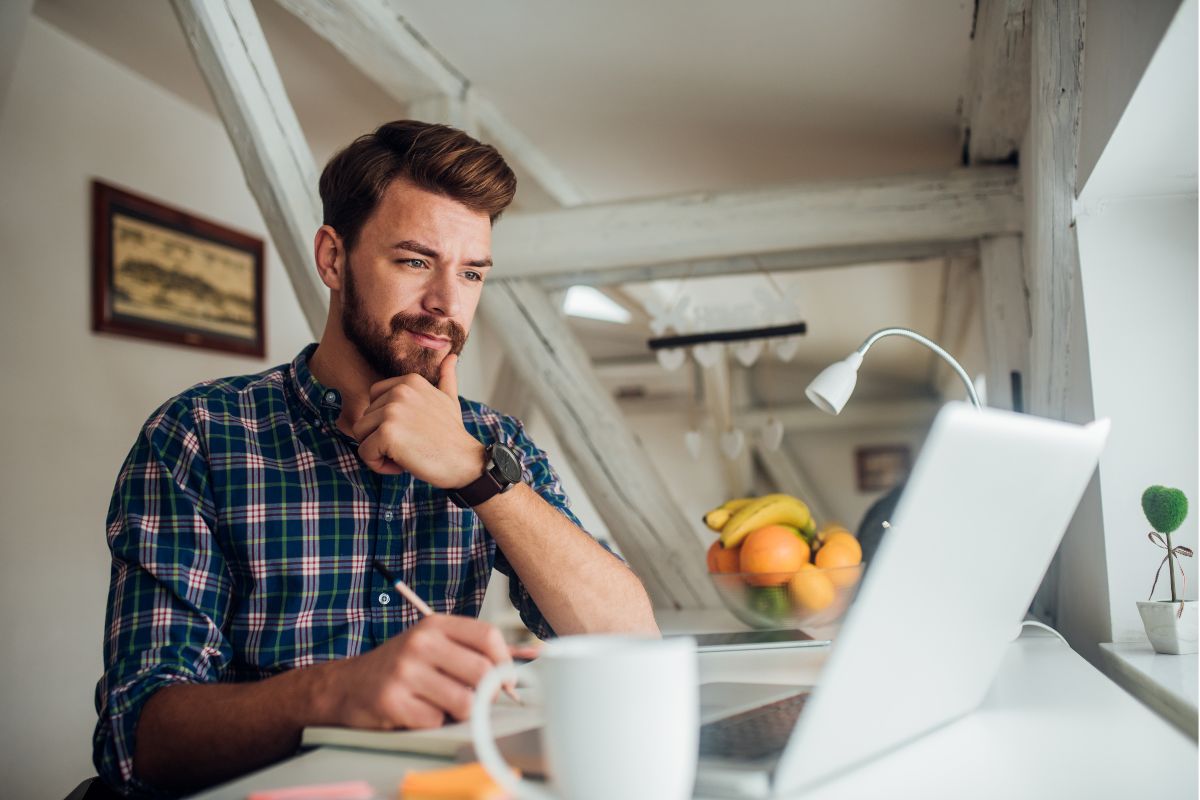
pixel 423 607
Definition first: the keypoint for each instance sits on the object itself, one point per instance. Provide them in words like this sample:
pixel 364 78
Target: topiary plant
pixel 1166 509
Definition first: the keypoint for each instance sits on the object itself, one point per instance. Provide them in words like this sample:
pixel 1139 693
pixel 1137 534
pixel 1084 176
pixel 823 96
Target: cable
pixel 1036 624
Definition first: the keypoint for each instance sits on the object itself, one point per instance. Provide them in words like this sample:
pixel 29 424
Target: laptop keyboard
pixel 753 734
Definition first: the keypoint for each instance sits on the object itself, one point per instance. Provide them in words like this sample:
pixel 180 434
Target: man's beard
pixel 386 352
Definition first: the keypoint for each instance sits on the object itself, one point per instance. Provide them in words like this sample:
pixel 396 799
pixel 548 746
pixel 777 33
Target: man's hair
pixel 436 158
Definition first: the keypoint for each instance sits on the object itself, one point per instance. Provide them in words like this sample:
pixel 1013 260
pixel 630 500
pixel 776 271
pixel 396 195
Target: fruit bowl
pixel 808 597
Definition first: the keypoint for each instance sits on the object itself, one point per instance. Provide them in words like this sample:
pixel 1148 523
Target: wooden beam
pixel 1006 325
pixel 996 107
pixel 789 261
pixel 511 394
pixel 1051 249
pixel 14 16
pixel 960 304
pixel 233 56
pixel 872 414
pixel 386 48
pixel 717 386
pixel 788 476
pixel 952 206
pixel 623 485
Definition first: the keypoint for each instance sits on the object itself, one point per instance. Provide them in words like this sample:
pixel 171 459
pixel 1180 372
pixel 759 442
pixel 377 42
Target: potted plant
pixel 1170 624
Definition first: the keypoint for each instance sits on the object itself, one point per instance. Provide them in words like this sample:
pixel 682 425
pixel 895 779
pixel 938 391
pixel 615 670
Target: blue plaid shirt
pixel 243 528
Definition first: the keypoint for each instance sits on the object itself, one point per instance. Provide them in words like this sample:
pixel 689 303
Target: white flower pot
pixel 1169 632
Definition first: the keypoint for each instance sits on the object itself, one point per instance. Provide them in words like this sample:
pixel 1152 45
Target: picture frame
pixel 163 274
pixel 882 467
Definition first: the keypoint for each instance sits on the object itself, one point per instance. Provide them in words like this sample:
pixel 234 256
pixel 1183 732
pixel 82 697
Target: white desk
pixel 1052 726
pixel 1166 683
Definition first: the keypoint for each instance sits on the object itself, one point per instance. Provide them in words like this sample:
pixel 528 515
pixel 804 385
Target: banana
pixel 717 518
pixel 771 509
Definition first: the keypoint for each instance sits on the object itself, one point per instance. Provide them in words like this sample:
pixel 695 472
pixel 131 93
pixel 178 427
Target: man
pixel 248 517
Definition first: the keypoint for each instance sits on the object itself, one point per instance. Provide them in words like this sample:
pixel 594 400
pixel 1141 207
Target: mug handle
pixel 485 742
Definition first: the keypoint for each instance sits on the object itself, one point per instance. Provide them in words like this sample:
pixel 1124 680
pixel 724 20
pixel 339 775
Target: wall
pixel 1136 226
pixel 1138 260
pixel 73 400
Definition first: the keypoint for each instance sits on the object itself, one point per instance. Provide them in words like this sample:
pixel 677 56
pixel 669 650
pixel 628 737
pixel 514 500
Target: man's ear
pixel 330 253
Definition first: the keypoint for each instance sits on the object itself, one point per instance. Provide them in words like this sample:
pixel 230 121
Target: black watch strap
pixel 501 472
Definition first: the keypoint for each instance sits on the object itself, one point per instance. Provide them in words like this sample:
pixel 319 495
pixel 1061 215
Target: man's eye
pixel 415 263
pixel 473 276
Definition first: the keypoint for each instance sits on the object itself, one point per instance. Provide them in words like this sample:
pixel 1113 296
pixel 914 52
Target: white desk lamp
pixel 830 390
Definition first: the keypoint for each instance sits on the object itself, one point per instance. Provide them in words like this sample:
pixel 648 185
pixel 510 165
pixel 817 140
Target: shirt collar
pixel 325 402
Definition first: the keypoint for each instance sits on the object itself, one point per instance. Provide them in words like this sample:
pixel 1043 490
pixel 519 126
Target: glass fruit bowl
pixel 810 596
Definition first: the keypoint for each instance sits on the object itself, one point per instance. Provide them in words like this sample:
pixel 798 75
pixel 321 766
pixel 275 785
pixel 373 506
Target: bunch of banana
pixel 735 519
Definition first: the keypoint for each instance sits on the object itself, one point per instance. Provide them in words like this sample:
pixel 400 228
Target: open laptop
pixel 978 522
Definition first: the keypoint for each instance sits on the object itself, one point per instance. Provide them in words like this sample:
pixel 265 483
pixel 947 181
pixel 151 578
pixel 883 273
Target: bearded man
pixel 254 520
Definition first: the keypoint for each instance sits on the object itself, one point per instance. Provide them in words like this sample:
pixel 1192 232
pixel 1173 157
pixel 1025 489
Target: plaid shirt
pixel 243 528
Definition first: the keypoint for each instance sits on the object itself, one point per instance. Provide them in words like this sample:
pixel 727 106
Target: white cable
pixel 1036 624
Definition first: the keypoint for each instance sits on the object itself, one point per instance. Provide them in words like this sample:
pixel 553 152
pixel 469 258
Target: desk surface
pixel 1052 726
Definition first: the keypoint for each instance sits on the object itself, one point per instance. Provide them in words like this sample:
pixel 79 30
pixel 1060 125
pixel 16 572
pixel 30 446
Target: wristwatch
pixel 501 472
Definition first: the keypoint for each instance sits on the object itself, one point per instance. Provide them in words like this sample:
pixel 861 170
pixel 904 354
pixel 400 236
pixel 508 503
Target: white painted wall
pixel 1137 229
pixel 73 400
pixel 1138 260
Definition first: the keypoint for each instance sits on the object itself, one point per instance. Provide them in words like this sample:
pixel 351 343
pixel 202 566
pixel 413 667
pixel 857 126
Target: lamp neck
pixel 909 334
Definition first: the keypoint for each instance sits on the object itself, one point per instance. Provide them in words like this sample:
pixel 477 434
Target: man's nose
pixel 441 295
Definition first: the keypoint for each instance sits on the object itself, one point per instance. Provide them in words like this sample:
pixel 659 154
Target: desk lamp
pixel 830 390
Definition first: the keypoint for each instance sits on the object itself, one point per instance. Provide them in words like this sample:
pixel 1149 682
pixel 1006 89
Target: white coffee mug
pixel 621 719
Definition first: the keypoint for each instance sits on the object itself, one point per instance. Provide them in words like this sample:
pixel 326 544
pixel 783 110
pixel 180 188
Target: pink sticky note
pixel 347 790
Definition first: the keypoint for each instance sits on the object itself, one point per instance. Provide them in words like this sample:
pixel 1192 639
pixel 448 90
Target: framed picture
pixel 163 274
pixel 881 467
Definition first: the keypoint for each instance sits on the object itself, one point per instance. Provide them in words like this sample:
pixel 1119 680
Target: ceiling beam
pixel 790 261
pixel 228 44
pixel 953 206
pixel 1006 326
pixel 387 49
pixel 996 109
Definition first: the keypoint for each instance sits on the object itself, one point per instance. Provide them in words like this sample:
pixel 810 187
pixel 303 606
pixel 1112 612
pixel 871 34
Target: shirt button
pixel 331 397
pixel 388 516
pixel 384 598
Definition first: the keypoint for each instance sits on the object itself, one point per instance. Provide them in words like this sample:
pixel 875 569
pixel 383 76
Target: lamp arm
pixel 949 359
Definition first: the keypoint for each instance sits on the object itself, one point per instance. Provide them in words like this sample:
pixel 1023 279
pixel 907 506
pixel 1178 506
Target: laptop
pixel 982 514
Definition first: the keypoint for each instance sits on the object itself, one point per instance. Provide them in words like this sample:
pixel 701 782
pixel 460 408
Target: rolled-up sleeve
pixel 170 593
pixel 542 478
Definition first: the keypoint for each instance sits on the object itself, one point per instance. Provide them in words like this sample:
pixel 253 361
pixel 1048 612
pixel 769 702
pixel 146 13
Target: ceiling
pixel 633 99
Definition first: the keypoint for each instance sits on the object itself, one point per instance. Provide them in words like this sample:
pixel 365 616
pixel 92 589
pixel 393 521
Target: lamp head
pixel 830 390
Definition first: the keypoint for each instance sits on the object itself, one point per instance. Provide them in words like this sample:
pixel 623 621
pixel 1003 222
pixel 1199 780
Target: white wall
pixel 1138 260
pixel 73 400
pixel 1136 224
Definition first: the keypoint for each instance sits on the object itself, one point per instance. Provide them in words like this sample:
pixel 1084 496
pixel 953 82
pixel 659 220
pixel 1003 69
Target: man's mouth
pixel 432 342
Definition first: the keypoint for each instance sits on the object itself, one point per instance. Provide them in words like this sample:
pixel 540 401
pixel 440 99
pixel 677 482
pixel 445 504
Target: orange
pixel 844 536
pixel 810 589
pixel 721 559
pixel 771 554
pixel 841 560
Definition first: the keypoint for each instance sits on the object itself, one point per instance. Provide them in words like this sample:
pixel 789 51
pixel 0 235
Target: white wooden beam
pixel 625 488
pixel 511 394
pixel 717 384
pixel 872 414
pixel 960 304
pixel 233 56
pixel 1051 249
pixel 789 261
pixel 1006 325
pixel 952 206
pixel 14 16
pixel 788 476
pixel 996 107
pixel 387 49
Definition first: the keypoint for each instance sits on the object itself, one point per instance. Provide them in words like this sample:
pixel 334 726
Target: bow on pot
pixel 1178 551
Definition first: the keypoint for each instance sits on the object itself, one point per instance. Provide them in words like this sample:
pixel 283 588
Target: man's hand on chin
pixel 413 426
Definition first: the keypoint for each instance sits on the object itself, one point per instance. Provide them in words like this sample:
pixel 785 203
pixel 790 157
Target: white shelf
pixel 1166 683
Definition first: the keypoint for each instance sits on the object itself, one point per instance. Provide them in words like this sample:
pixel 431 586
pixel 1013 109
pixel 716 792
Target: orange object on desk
pixel 465 782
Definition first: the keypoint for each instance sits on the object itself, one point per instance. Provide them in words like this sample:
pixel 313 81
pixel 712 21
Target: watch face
pixel 506 463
